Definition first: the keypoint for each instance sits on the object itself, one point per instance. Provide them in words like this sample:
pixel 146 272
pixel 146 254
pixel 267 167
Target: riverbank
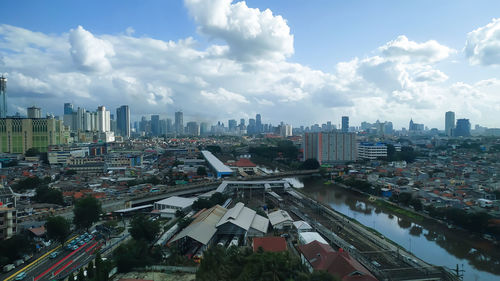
pixel 433 242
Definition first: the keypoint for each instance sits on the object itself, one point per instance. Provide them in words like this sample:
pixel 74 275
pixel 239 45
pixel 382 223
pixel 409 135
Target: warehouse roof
pixel 177 201
pixel 202 229
pixel 216 163
pixel 279 216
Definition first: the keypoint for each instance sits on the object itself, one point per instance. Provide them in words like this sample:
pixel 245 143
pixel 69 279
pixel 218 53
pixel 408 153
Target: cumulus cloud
pixel 249 32
pixel 247 73
pixel 483 44
pixel 88 52
pixel 429 51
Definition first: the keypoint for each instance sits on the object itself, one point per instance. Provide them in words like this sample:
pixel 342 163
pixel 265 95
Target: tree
pixel 86 212
pixel 179 214
pixel 201 171
pixel 80 276
pixel 141 228
pixel 310 164
pixel 391 152
pixel 27 183
pixel 71 277
pixel 32 152
pixel 90 270
pixel 45 194
pixel 58 228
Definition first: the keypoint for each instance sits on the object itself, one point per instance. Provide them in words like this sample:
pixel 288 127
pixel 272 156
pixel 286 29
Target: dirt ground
pixel 156 276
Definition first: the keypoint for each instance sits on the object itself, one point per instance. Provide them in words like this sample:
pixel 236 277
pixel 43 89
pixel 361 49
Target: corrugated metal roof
pixel 203 227
pixel 238 215
pixel 215 162
pixel 177 201
pixel 279 216
pixel 260 223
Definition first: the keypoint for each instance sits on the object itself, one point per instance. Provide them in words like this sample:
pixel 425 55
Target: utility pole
pixel 460 272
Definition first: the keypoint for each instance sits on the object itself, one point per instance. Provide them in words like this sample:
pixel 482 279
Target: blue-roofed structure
pixel 220 169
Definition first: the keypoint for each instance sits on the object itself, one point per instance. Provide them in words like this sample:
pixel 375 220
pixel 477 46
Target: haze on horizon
pixel 301 63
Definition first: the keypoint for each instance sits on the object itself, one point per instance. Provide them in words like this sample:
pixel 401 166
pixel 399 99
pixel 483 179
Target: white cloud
pixel 429 51
pixel 88 52
pixel 249 32
pixel 246 74
pixel 483 44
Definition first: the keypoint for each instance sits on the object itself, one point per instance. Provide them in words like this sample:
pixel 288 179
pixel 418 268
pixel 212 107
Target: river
pixel 432 242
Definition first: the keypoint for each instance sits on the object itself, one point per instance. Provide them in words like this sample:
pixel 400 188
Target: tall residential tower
pixel 449 123
pixel 3 97
pixel 123 121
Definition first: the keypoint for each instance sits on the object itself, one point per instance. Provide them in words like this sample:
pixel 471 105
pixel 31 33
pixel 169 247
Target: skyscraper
pixel 68 108
pixel 3 97
pixel 258 124
pixel 449 123
pixel 155 125
pixel 34 112
pixel 193 129
pixel 103 119
pixel 462 129
pixel 345 124
pixel 123 121
pixel 179 123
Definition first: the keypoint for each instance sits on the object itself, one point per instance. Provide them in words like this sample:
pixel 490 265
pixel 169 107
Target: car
pixel 376 263
pixel 54 255
pixel 74 247
pixel 81 243
pixel 20 276
pixel 70 246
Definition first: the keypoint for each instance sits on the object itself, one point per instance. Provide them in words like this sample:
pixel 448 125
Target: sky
pixel 300 62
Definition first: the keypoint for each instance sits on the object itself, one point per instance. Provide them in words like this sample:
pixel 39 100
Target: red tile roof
pixel 38 231
pixel 242 162
pixel 323 257
pixel 269 244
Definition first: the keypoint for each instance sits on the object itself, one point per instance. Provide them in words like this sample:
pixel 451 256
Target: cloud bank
pixel 243 72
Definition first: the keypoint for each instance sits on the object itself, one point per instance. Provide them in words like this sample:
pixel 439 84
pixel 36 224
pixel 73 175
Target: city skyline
pixel 214 71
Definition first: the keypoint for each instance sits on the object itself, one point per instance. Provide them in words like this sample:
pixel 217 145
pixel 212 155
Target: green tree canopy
pixel 32 152
pixel 58 228
pixel 143 228
pixel 86 212
pixel 45 194
pixel 310 164
pixel 201 171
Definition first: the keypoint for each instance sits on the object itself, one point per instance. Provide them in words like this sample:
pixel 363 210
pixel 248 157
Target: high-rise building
pixel 252 127
pixel 103 119
pixel 155 125
pixel 449 123
pixel 462 129
pixel 170 127
pixel 331 147
pixel 258 124
pixel 285 130
pixel 20 134
pixel 242 122
pixel 123 121
pixel 179 123
pixel 231 124
pixel 68 108
pixel 3 97
pixel 193 129
pixel 345 124
pixel 34 112
pixel 204 128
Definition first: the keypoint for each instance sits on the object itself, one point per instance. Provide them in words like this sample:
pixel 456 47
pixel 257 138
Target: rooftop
pixel 215 162
pixel 177 201
pixel 269 244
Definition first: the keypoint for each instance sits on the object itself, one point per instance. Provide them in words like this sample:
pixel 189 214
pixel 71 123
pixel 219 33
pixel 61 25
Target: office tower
pixel 179 123
pixel 251 128
pixel 68 108
pixel 20 134
pixel 242 122
pixel 103 119
pixel 204 128
pixel 163 127
pixel 345 124
pixel 285 131
pixel 258 124
pixel 388 128
pixel 193 129
pixel 3 97
pixel 449 123
pixel 232 125
pixel 331 147
pixel 123 121
pixel 34 112
pixel 170 127
pixel 155 125
pixel 462 129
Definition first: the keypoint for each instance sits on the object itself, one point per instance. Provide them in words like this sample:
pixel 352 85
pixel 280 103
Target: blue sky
pixel 323 59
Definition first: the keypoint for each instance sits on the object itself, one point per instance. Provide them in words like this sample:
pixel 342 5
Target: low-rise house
pixel 320 256
pixel 269 244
